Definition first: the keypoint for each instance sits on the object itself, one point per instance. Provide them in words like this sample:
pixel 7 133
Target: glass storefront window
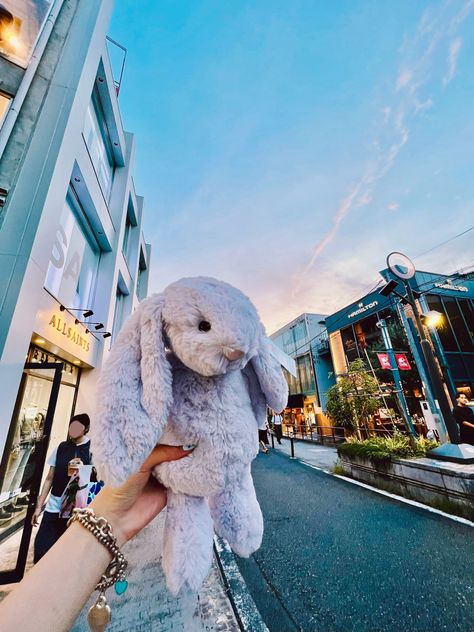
pixel 74 261
pixel 349 343
pixel 4 105
pixel 444 329
pixel 21 22
pixel 21 463
pixel 96 137
pixel 468 313
pixel 457 323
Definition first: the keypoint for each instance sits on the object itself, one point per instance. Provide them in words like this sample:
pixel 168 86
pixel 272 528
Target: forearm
pixel 44 492
pixel 64 587
pixel 468 423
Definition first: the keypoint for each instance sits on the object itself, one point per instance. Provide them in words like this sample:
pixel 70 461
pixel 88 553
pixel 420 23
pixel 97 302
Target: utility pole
pixel 382 325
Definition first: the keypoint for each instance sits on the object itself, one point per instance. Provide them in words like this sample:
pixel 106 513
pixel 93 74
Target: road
pixel 340 558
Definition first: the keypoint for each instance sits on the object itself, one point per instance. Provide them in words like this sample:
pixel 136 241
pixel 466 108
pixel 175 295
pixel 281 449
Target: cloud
pixel 386 113
pixel 404 79
pixel 453 55
pixel 393 206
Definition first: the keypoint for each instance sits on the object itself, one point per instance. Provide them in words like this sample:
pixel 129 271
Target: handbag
pixel 80 491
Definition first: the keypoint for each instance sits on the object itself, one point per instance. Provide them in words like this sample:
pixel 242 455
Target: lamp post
pixel 402 267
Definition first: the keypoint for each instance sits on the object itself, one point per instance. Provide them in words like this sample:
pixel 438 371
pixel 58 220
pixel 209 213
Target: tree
pixel 353 398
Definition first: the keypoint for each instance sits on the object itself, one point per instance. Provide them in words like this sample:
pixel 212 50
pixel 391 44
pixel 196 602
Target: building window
pixel 349 343
pixel 74 259
pixel 444 330
pixel 96 137
pixel 118 312
pixel 21 22
pixel 4 105
pixel 127 238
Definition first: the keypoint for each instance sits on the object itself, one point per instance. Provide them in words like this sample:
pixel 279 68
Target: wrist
pixel 104 506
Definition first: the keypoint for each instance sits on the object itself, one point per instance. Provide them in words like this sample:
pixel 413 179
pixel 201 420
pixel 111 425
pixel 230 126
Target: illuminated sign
pixel 362 308
pixel 71 333
pixel 453 288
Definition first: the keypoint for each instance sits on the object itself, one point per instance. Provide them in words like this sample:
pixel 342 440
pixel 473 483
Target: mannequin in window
pixel 76 450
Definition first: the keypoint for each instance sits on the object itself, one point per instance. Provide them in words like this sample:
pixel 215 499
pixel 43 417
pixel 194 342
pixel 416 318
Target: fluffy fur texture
pixel 167 380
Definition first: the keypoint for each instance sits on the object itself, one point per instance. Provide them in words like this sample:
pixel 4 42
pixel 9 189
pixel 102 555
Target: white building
pixel 70 237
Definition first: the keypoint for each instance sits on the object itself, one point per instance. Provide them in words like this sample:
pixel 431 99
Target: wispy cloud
pixel 417 67
pixel 453 55
pixel 404 79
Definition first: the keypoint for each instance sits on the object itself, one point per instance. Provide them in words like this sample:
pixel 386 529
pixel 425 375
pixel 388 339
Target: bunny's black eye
pixel 204 325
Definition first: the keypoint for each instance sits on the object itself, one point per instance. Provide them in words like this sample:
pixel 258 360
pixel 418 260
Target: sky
pixel 288 147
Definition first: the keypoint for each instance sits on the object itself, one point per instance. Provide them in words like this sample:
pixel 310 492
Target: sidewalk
pixel 313 453
pixel 147 606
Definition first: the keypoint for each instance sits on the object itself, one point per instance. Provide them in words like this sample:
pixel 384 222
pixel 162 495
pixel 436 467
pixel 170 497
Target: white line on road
pixel 394 496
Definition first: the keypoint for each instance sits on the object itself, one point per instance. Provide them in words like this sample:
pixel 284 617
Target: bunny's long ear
pixel 134 394
pixel 267 384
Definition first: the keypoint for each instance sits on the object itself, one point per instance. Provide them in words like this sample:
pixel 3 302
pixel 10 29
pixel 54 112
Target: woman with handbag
pixel 63 463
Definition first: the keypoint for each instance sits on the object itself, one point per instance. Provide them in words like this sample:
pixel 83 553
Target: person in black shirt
pixel 464 418
pixel 74 451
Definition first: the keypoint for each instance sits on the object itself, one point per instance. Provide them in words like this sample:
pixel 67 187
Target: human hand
pixel 134 504
pixel 35 517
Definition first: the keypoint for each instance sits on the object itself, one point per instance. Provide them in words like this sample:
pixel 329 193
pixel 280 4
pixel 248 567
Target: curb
pixel 246 612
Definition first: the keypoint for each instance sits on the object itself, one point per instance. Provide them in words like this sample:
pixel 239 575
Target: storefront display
pixel 22 467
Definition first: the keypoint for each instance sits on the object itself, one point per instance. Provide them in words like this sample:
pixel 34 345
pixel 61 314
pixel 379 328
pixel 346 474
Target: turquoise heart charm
pixel 121 587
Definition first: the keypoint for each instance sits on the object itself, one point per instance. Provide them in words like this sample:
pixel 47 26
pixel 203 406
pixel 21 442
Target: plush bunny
pixel 192 366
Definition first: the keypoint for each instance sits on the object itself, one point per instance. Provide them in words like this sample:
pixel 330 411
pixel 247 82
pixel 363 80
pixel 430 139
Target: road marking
pixel 394 496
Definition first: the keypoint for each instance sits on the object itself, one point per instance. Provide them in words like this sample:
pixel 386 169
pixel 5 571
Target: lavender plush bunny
pixel 192 366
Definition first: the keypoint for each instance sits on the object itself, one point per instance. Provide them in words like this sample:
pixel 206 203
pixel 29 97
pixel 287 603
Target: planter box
pixel 446 486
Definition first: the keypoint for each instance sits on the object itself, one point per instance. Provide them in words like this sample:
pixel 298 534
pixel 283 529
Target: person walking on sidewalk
pixel 73 452
pixel 464 418
pixel 263 439
pixel 277 421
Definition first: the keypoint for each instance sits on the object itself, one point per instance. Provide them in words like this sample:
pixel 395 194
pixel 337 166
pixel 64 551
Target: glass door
pixel 23 462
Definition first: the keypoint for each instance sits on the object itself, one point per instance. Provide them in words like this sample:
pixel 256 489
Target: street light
pixel 403 268
pixel 432 318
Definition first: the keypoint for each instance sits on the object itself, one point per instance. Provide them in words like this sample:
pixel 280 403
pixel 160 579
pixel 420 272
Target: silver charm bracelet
pixel 100 614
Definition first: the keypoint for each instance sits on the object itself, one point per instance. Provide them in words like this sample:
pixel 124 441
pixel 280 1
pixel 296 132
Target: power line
pixel 431 281
pixel 447 241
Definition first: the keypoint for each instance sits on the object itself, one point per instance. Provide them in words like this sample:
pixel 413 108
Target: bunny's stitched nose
pixel 233 354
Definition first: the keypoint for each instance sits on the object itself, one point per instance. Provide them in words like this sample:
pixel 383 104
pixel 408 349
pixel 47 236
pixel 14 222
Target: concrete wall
pixel 446 486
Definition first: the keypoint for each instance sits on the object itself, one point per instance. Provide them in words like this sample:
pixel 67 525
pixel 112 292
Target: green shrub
pixel 397 446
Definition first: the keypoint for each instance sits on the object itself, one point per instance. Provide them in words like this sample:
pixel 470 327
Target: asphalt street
pixel 339 558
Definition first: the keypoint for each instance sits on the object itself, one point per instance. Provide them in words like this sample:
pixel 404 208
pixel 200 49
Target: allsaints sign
pixel 71 333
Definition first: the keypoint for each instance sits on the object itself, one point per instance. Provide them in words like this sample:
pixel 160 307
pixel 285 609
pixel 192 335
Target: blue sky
pixel 288 147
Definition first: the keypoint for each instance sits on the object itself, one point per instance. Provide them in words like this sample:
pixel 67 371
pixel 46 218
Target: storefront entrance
pixel 23 462
pixel 40 419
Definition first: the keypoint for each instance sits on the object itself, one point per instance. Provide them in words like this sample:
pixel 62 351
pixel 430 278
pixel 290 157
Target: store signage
pixel 453 288
pixel 361 308
pixel 402 362
pixel 401 359
pixel 384 360
pixel 71 333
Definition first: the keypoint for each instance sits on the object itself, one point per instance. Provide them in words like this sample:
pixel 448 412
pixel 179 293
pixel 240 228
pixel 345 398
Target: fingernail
pixel 188 446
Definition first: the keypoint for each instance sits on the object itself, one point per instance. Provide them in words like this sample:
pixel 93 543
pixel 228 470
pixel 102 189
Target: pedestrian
pixel 464 416
pixel 277 421
pixel 53 593
pixel 63 463
pixel 263 439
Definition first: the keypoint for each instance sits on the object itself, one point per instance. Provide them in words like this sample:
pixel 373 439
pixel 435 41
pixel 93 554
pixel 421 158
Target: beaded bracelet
pixel 100 614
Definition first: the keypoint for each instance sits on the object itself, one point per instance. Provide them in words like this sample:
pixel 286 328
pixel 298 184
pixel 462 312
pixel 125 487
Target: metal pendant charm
pixel 99 615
